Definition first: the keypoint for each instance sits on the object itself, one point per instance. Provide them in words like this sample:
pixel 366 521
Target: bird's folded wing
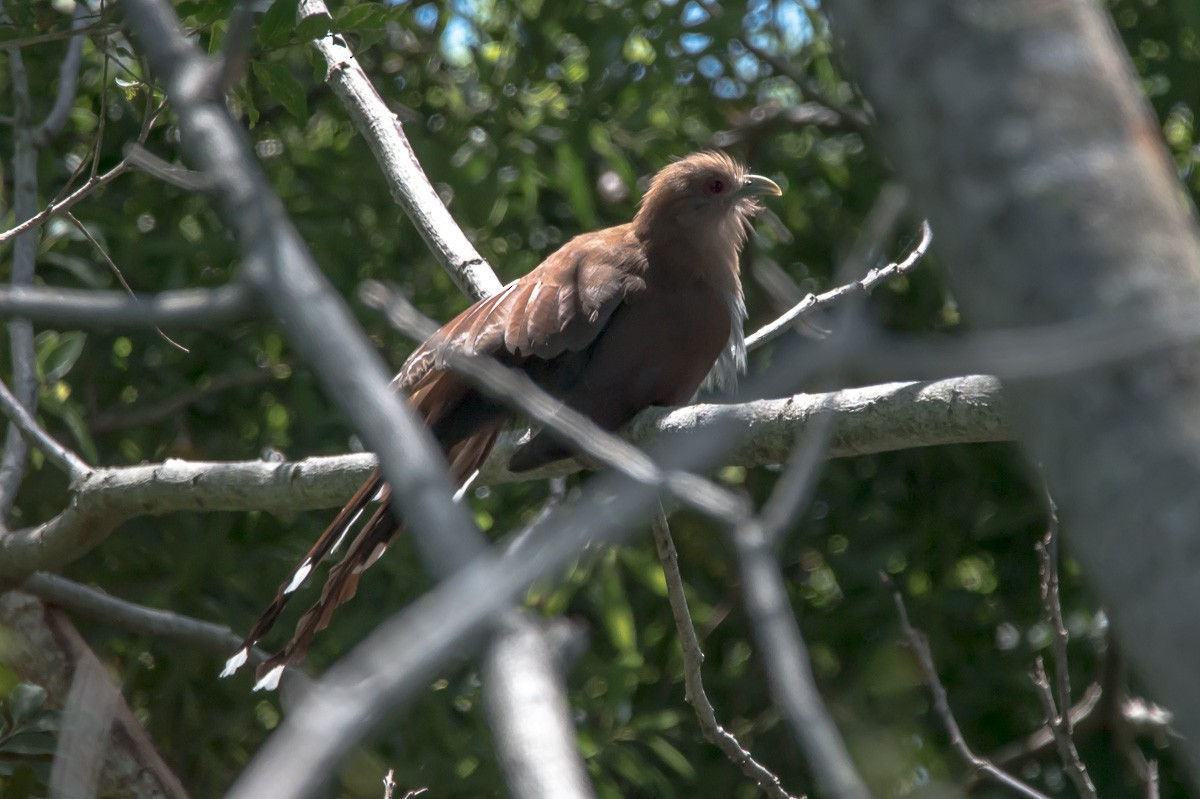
pixel 560 306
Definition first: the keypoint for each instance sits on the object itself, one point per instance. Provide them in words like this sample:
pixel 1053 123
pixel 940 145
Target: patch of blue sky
pixel 694 43
pixel 426 16
pixel 458 40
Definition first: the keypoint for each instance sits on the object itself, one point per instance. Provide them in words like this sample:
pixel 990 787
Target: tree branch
pixel 87 309
pixel 162 625
pixel 920 647
pixel 279 266
pixel 46 649
pixel 864 285
pixel 24 262
pixel 866 420
pixel 529 714
pixel 409 184
pixel 104 498
pixel 693 658
pixel 788 666
pixel 68 78
pixel 74 466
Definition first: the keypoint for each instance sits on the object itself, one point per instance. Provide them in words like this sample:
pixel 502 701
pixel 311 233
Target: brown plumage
pixel 613 322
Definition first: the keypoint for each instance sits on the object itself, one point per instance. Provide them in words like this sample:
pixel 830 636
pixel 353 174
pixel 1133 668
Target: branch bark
pixel 88 309
pixel 1021 130
pixel 866 420
pixel 45 648
pixel 528 712
pixel 410 187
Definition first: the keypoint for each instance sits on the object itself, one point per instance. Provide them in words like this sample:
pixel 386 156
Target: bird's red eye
pixel 716 186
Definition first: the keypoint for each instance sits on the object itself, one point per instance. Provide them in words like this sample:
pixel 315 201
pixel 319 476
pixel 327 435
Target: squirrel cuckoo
pixel 613 322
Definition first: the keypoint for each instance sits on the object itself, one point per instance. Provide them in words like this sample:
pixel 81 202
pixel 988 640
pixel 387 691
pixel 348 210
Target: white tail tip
pixel 466 486
pixel 298 578
pixel 235 662
pixel 270 680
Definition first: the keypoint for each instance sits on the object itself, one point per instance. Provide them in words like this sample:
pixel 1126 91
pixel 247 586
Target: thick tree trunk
pixel 1020 128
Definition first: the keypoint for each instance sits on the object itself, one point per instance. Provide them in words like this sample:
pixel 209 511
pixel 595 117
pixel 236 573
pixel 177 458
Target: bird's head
pixel 704 192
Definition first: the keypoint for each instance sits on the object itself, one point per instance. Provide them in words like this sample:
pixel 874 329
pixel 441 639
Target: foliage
pixel 538 120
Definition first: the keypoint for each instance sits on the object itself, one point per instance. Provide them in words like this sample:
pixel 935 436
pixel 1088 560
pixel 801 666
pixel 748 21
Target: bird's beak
pixel 758 186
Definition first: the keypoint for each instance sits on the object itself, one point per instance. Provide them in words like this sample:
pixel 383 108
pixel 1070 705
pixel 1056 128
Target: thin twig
pixel 920 647
pixel 116 270
pixel 1047 551
pixel 1085 720
pixel 73 465
pixel 693 658
pixel 853 118
pixel 58 36
pixel 862 286
pixel 102 115
pixel 62 205
pixel 1060 722
pixel 1067 752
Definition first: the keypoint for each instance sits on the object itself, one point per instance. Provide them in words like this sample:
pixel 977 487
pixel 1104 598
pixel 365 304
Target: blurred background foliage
pixel 538 120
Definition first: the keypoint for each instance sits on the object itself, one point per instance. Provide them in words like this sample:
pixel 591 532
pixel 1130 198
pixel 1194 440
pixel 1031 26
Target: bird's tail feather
pixel 326 544
pixel 380 530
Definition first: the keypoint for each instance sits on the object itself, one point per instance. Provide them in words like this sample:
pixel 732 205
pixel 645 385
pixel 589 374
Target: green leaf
pixel 368 15
pixel 618 614
pixel 66 351
pixel 672 757
pixel 203 12
pixel 278 23
pixel 282 87
pixel 314 27
pixel 573 179
pixel 32 743
pixel 25 701
pixel 73 418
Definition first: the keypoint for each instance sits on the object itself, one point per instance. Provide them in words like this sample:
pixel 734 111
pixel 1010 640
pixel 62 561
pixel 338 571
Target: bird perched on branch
pixel 613 322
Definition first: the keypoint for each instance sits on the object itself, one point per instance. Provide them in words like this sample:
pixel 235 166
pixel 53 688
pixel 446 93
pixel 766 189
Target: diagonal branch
pixel 693 658
pixel 74 466
pixel 865 285
pixel 920 647
pixel 68 79
pixel 44 647
pixel 409 184
pixel 279 266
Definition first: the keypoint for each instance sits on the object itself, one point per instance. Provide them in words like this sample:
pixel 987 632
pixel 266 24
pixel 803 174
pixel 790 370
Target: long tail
pixel 372 541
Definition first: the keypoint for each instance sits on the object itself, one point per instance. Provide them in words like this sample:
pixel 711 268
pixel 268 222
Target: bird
pixel 615 321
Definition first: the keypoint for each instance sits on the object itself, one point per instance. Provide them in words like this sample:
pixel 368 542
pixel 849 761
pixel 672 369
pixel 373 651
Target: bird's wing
pixel 560 306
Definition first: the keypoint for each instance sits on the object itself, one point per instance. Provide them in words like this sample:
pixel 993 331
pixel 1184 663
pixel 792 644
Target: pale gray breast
pixel 732 361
